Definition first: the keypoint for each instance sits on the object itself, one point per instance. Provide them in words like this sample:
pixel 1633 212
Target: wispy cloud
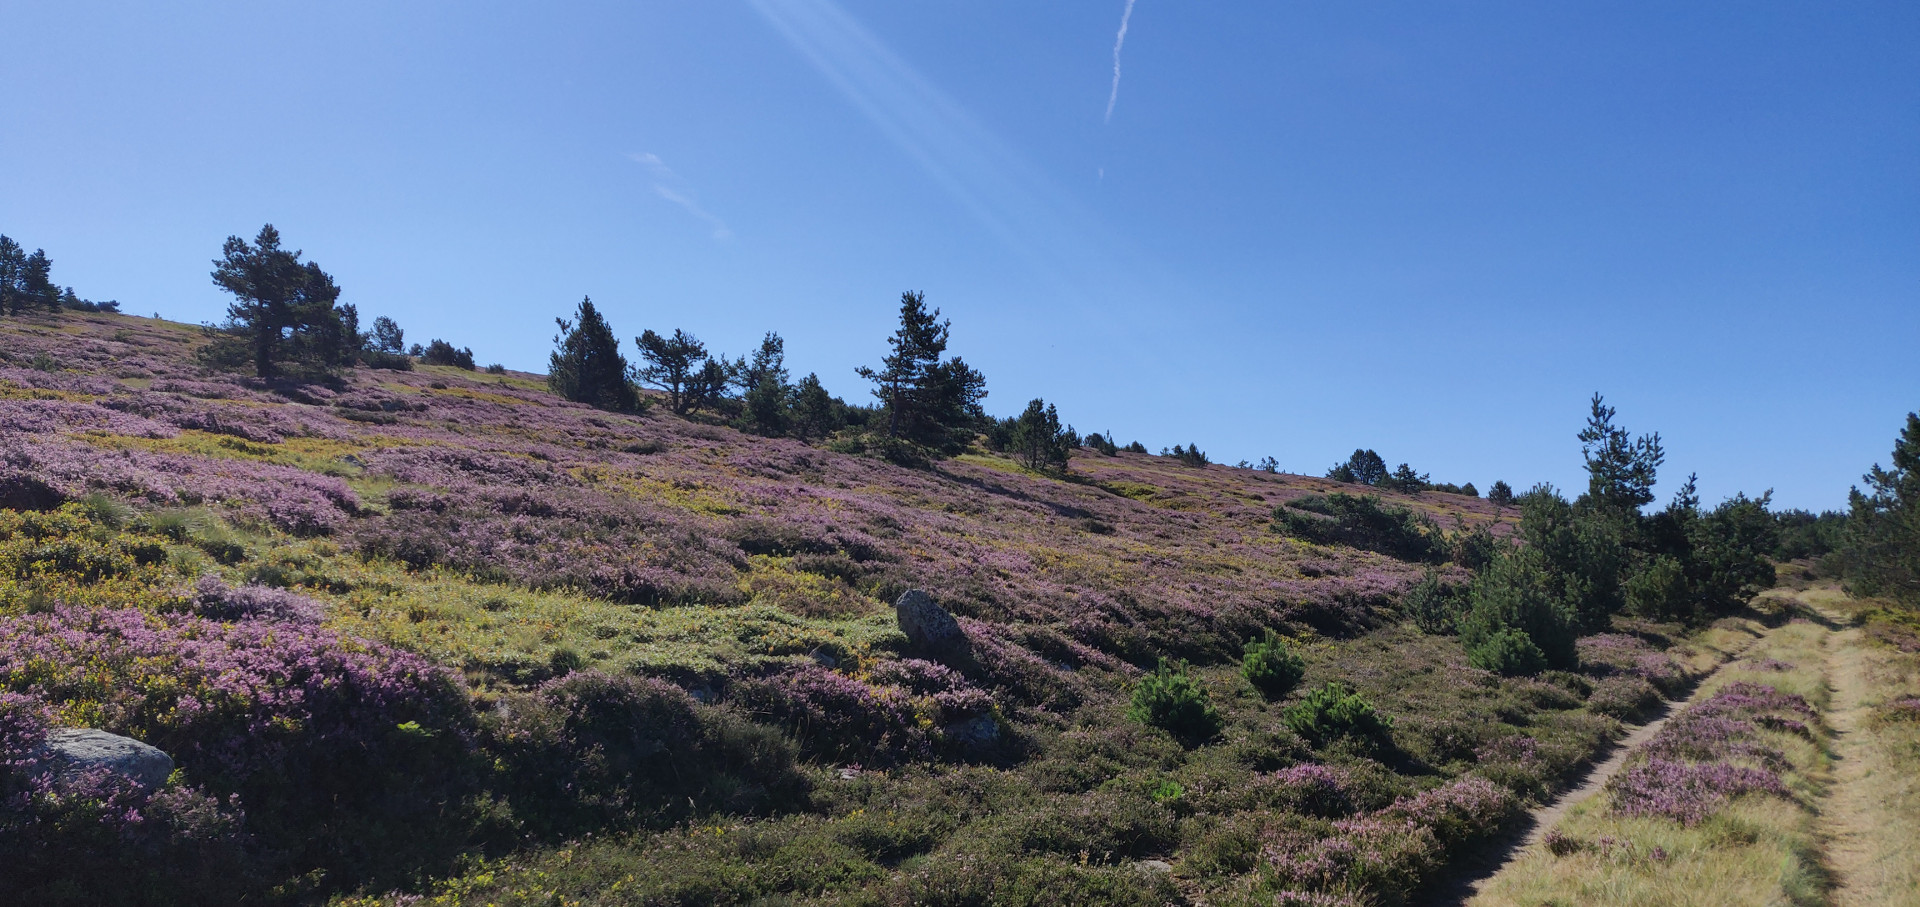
pixel 982 173
pixel 674 188
pixel 1119 41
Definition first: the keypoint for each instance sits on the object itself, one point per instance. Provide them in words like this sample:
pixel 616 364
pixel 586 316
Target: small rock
pixel 76 750
pixel 1153 866
pixel 976 733
pixel 927 625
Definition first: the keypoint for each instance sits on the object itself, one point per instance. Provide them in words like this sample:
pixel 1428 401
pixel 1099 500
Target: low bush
pixel 1433 606
pixel 381 359
pixel 213 598
pixel 838 717
pixel 1361 521
pixel 1334 712
pixel 1271 667
pixel 1169 699
pixel 346 755
pixel 1624 696
pixel 174 844
pixel 589 750
pixel 1508 652
pixel 440 352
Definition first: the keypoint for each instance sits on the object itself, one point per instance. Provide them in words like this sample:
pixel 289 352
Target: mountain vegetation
pixel 626 632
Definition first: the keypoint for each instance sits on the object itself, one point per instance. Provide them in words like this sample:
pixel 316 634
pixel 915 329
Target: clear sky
pixel 1269 228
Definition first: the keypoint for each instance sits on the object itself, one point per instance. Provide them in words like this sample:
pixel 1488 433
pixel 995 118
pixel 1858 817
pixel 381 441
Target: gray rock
pixel 927 625
pixel 72 751
pixel 976 733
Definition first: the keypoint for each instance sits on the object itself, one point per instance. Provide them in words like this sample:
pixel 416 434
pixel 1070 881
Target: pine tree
pixel 284 312
pixel 1039 440
pixel 677 365
pixel 36 282
pixel 765 391
pixel 388 337
pixel 930 404
pixel 13 271
pixel 814 412
pixel 905 372
pixel 1367 467
pixel 1881 549
pixel 586 365
pixel 1501 494
pixel 1620 469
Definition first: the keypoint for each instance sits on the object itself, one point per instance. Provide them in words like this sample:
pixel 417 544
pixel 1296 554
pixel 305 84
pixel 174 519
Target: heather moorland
pixel 431 633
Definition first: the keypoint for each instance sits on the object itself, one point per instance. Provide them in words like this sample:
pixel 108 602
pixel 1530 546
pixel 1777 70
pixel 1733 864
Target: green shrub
pixel 1518 591
pixel 1169 699
pixel 440 352
pixel 589 751
pixel 1433 606
pixel 1474 548
pixel 1659 590
pixel 1332 712
pixel 1509 652
pixel 1361 521
pixel 1271 667
pixel 392 362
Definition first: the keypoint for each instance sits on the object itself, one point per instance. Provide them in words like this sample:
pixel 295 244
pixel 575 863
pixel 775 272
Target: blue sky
pixel 1429 229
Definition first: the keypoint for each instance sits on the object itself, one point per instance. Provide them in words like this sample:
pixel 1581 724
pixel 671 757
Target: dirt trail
pixel 1474 875
pixel 1846 813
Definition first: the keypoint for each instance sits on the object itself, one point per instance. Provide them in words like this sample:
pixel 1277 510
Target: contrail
pixel 1118 40
pixel 670 186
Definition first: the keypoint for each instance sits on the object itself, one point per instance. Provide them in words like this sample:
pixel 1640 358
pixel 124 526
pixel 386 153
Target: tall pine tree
pixel 284 311
pixel 929 403
pixel 586 365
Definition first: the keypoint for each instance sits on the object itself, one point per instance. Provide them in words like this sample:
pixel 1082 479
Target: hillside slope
pixel 679 639
pixel 495 477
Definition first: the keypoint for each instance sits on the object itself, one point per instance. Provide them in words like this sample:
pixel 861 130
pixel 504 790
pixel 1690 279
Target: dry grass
pixel 1758 850
pixel 1875 819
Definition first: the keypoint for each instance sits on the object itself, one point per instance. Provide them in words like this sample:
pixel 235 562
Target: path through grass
pixel 1870 819
pixel 1840 831
pixel 1758 848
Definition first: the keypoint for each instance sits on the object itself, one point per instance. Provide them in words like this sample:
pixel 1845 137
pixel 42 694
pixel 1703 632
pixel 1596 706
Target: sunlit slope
pixel 490 477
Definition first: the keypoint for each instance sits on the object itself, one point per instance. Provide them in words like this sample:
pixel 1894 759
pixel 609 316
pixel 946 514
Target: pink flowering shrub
pixel 1609 655
pixel 839 717
pixel 1711 753
pixel 213 598
pixel 1387 853
pixel 1460 811
pixel 953 696
pixel 286 498
pixel 1907 709
pixel 1623 696
pixel 622 550
pixel 1355 857
pixel 1309 788
pixel 311 729
pixel 138 845
pixel 1686 792
pixel 1514 763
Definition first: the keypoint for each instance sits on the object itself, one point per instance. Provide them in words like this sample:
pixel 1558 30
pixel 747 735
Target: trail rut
pixel 1846 813
pixel 1473 875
